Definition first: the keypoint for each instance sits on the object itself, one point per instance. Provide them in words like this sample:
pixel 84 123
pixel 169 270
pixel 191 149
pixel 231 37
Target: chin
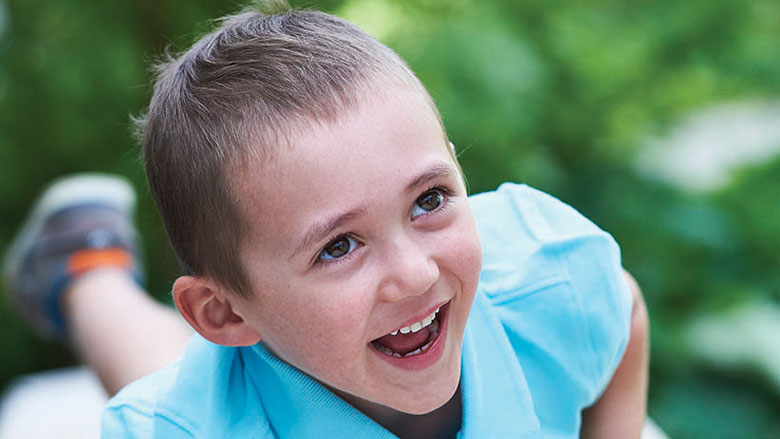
pixel 429 406
pixel 430 399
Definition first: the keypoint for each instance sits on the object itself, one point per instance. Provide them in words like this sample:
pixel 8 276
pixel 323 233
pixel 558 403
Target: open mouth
pixel 414 339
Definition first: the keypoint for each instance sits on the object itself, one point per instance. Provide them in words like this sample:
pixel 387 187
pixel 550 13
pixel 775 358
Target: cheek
pixel 464 249
pixel 319 329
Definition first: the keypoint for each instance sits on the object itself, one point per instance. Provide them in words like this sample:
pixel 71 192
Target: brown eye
pixel 427 202
pixel 338 248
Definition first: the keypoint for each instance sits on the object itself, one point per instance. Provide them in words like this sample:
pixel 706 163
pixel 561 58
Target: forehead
pixel 369 151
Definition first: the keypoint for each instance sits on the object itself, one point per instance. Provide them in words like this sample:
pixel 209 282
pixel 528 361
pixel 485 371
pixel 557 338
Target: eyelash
pixel 445 201
pixel 345 257
pixel 443 205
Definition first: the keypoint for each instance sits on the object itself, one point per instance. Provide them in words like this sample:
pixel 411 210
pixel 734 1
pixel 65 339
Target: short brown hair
pixel 234 93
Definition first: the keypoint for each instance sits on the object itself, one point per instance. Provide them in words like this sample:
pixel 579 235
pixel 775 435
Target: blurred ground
pixel 58 404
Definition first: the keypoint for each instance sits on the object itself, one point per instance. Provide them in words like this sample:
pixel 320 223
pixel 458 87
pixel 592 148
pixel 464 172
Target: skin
pixel 360 182
pixel 107 333
pixel 620 411
pixel 362 177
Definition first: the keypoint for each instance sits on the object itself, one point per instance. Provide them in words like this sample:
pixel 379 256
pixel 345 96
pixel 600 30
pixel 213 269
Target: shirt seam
pixel 154 414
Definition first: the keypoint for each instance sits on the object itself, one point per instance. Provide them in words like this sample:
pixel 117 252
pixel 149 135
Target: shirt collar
pixel 496 398
pixel 298 406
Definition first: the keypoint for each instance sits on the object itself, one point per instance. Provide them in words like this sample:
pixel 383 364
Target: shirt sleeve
pixel 556 281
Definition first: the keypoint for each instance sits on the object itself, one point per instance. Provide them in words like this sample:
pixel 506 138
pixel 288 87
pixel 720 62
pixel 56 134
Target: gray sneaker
pixel 80 222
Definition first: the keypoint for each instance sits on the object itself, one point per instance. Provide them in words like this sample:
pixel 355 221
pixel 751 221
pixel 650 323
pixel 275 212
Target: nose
pixel 408 269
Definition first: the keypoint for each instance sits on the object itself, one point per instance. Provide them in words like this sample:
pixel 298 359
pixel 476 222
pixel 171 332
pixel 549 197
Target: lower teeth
pixel 434 333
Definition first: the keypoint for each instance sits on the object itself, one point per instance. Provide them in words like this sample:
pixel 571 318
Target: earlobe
pixel 205 307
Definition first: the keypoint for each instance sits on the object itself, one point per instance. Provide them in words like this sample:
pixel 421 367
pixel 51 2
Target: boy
pixel 337 277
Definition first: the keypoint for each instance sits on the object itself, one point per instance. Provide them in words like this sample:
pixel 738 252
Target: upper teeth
pixel 416 326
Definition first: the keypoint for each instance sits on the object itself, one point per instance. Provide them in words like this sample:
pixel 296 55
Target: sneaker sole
pixel 71 191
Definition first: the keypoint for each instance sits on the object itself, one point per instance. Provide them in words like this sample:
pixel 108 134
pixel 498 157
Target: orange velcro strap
pixel 84 260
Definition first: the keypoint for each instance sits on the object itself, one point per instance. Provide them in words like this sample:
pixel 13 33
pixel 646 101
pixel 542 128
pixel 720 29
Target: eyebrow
pixel 325 228
pixel 437 170
pixel 321 229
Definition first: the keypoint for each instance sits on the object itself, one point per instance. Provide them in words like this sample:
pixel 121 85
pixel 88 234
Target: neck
pixel 444 422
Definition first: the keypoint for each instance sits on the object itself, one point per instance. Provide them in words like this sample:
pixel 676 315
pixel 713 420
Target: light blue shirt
pixel 548 327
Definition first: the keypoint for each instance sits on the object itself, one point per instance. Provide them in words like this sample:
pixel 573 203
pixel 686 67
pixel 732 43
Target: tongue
pixel 404 343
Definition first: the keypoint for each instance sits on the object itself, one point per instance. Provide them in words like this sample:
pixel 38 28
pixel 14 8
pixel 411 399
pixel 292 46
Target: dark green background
pixel 555 94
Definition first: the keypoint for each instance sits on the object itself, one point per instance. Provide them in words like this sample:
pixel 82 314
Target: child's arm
pixel 620 411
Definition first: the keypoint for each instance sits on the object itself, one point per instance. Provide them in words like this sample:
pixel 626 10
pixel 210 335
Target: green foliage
pixel 556 94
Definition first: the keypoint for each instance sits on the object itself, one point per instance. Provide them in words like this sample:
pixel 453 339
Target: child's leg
pixel 73 274
pixel 119 331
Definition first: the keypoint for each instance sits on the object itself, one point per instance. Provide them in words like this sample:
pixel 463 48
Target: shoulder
pixel 531 238
pixel 139 410
pixel 197 396
pixel 520 225
pixel 555 281
pixel 533 215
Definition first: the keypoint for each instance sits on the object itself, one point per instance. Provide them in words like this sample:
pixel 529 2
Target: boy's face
pixel 359 228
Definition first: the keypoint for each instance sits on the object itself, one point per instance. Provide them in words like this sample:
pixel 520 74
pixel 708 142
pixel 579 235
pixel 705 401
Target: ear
pixel 204 305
